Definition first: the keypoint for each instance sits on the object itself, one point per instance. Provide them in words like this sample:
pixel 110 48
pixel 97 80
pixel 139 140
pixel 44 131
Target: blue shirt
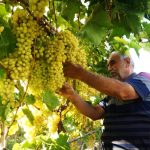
pixel 129 120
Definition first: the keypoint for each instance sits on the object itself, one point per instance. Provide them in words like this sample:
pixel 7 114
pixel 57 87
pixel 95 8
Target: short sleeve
pixel 141 84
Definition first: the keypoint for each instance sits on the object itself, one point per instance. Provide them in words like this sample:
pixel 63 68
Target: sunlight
pixel 142 62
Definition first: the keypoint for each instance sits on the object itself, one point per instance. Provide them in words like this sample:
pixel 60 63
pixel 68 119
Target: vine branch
pixel 49 29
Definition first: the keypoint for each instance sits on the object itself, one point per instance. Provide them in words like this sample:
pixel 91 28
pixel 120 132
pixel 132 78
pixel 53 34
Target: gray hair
pixel 125 55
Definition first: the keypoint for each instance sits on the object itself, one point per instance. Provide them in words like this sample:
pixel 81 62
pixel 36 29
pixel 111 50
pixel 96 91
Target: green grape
pixel 19 66
pixel 38 80
pixel 7 92
pixel 38 50
pixel 53 122
pixel 40 122
pixel 38 7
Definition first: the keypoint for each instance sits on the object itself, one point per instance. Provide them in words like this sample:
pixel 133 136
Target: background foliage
pixel 48 121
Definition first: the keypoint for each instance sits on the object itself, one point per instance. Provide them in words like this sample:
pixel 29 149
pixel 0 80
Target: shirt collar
pixel 131 76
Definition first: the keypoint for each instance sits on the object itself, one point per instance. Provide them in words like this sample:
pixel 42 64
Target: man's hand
pixel 73 71
pixel 67 91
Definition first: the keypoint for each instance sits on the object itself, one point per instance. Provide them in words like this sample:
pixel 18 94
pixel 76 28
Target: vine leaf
pixel 147 28
pixel 134 23
pixel 62 22
pixel 118 31
pixel 3 11
pixel 2 110
pixel 50 100
pixel 2 73
pixel 7 40
pixel 28 145
pixel 96 28
pixel 135 45
pixel 94 33
pixel 62 141
pixel 29 114
pixel 30 99
pixel 70 9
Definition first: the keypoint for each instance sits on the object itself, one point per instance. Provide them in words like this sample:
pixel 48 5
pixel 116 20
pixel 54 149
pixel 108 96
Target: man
pixel 126 109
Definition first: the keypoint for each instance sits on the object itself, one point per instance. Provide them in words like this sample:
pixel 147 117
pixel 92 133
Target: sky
pixel 142 62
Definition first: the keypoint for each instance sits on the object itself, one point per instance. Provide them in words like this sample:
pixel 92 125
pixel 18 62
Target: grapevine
pixel 36 66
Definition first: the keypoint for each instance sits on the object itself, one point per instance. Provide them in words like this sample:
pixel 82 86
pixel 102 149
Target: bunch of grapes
pixel 39 58
pixel 64 47
pixel 39 77
pixel 26 30
pixel 37 7
pixel 53 122
pixel 18 63
pixel 39 122
pixel 55 60
pixel 7 88
pixel 48 73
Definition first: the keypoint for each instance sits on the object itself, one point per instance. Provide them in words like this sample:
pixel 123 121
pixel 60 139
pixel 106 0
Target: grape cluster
pixel 39 77
pixel 39 58
pixel 18 63
pixel 7 91
pixel 26 30
pixel 37 7
pixel 53 122
pixel 55 60
pixel 50 54
pixel 39 122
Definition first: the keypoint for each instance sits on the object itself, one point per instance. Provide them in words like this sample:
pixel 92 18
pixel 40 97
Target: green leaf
pixel 118 31
pixel 30 99
pixel 7 40
pixel 100 17
pixel 69 123
pixel 70 9
pixel 4 23
pixel 8 7
pixel 147 28
pixel 121 40
pixel 2 73
pixel 133 22
pixel 135 45
pixel 62 141
pixel 3 11
pixel 28 145
pixel 29 114
pixel 62 22
pixel 2 110
pixel 96 28
pixel 50 100
pixel 93 33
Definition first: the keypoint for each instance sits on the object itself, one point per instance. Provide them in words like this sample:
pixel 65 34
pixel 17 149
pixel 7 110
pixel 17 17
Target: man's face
pixel 117 66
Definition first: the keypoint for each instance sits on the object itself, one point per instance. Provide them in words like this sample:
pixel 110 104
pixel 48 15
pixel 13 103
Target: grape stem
pixel 49 29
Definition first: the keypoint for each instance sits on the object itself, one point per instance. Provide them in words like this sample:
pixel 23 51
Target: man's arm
pixel 93 112
pixel 108 86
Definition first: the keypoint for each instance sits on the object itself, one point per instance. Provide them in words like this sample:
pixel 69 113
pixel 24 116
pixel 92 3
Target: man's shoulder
pixel 138 76
pixel 144 74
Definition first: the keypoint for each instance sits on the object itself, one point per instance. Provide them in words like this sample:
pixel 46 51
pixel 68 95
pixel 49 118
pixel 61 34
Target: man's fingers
pixel 64 87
